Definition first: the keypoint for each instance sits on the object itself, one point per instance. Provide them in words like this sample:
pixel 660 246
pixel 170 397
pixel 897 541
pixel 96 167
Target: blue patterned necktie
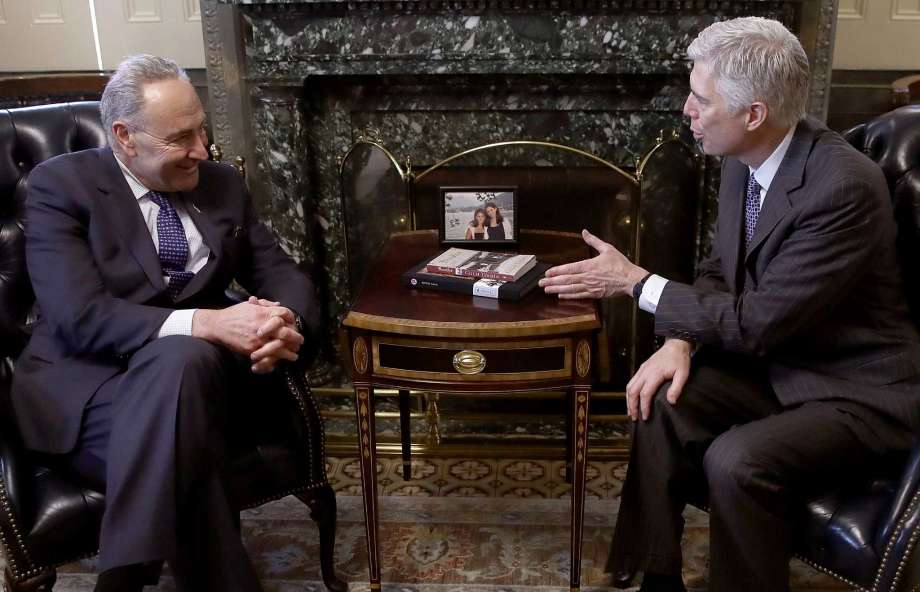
pixel 173 245
pixel 751 208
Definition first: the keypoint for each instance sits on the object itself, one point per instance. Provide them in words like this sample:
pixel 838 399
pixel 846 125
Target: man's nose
pixel 199 151
pixel 688 109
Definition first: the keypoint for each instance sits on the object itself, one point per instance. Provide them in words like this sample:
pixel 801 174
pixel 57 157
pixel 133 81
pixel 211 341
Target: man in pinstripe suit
pixel 806 367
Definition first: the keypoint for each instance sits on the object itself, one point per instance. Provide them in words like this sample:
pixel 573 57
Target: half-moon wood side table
pixel 442 342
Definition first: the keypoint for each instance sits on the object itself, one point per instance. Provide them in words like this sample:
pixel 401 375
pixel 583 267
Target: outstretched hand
pixel 608 274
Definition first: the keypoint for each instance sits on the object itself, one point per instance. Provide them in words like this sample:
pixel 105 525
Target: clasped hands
pixel 263 330
pixel 608 274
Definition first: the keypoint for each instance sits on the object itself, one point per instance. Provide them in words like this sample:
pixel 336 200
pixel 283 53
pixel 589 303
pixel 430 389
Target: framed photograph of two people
pixel 479 215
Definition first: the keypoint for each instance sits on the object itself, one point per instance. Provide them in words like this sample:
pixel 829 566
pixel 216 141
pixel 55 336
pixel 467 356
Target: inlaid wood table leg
pixel 364 410
pixel 568 435
pixel 579 472
pixel 405 434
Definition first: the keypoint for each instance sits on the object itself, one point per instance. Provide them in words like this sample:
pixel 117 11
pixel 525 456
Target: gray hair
pixel 123 97
pixel 756 59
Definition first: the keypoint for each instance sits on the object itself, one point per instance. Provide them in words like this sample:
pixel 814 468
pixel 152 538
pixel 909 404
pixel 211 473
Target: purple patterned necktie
pixel 173 245
pixel 751 208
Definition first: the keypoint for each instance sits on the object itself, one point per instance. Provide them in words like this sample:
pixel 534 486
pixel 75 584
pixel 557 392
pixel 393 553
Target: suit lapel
pixel 129 221
pixel 789 177
pixel 730 210
pixel 196 209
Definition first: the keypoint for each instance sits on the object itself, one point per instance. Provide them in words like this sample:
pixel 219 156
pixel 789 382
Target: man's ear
pixel 124 138
pixel 757 115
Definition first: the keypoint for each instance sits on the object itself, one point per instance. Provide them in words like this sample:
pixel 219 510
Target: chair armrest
pixel 907 490
pixel 897 538
pixel 312 421
pixel 235 296
pixel 904 88
pixel 16 474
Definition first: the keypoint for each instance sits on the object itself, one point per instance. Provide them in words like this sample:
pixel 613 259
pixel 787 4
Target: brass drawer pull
pixel 469 362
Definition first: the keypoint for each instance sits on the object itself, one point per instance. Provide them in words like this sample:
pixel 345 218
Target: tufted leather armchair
pixel 47 516
pixel 866 536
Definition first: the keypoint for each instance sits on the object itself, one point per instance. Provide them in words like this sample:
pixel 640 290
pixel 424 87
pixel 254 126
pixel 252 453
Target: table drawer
pixel 472 361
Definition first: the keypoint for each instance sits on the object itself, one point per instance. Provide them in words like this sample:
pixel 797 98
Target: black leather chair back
pixel 893 141
pixel 29 136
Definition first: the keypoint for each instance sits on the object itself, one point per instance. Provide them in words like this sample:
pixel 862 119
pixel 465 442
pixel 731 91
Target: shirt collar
pixel 137 188
pixel 765 173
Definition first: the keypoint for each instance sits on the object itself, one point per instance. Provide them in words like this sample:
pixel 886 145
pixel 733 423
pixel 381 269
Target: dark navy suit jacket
pixel 817 293
pixel 99 286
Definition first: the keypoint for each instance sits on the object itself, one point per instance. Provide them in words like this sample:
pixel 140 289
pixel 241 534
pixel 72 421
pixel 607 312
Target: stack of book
pixel 481 273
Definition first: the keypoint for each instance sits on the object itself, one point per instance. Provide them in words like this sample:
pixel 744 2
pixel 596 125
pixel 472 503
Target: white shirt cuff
pixel 651 293
pixel 179 322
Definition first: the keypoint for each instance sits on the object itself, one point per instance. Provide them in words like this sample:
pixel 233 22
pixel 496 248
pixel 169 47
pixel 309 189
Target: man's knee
pixel 188 369
pixel 181 353
pixel 733 462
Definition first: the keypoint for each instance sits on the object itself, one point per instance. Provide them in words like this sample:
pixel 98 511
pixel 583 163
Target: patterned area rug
pixel 461 525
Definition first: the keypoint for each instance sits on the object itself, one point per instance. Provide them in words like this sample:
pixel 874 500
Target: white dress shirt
pixel 179 322
pixel 654 285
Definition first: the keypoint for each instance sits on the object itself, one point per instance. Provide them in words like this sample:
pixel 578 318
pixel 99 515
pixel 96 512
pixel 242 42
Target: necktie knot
pixel 751 207
pixel 158 198
pixel 173 244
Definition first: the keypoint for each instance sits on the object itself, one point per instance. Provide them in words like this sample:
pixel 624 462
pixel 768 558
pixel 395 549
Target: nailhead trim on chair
pixel 299 396
pixel 885 557
pixel 278 496
pixel 31 569
pixel 832 573
pixel 911 508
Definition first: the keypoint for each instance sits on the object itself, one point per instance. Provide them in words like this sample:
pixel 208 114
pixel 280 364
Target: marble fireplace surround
pixel 293 83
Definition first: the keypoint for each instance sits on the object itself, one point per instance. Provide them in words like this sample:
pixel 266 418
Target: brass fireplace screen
pixel 649 210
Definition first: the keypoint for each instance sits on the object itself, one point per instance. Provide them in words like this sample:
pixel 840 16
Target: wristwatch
pixel 637 289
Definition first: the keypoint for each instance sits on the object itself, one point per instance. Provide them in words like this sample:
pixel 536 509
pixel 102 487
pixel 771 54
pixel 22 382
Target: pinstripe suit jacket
pixel 817 293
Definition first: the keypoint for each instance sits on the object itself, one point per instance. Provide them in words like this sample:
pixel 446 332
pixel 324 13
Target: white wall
pixel 878 35
pixel 46 35
pixel 40 35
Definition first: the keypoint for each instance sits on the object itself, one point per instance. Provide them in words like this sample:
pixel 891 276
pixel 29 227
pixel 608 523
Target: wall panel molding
pixel 905 10
pixel 852 9
pixel 143 11
pixel 192 11
pixel 48 12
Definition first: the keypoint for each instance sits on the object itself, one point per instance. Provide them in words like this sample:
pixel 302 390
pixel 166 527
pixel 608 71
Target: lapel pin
pixel 237 231
pixel 196 208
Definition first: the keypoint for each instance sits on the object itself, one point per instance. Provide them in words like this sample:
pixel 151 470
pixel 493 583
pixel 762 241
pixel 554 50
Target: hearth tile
pixel 524 478
pixel 479 474
pixel 594 481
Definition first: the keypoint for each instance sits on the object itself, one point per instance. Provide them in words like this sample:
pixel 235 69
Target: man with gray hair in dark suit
pixel 138 364
pixel 807 365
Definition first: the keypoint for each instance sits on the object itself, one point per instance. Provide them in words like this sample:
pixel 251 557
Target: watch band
pixel 637 288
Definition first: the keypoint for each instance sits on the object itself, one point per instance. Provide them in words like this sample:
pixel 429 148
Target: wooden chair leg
pixel 322 511
pixel 405 434
pixel 43 582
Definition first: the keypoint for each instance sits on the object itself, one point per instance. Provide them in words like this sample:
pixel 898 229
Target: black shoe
pixel 124 578
pixel 652 582
pixel 622 579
